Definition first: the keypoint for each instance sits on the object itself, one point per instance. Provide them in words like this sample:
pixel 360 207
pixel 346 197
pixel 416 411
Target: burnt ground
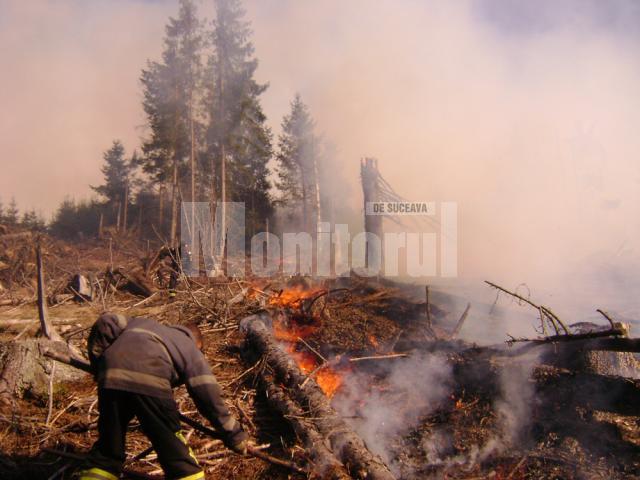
pixel 471 414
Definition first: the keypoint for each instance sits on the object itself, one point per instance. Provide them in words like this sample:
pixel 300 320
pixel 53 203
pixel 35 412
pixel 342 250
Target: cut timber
pixel 345 443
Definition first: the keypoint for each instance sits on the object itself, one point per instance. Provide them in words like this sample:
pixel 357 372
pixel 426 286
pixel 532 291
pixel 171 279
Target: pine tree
pixel 117 172
pixel 297 159
pixel 73 220
pixel 171 98
pixel 239 142
pixel 12 215
pixel 32 221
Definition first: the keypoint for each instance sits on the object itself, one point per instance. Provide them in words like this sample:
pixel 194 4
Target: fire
pixel 329 381
pixel 293 297
pixel 373 341
pixel 291 331
pixel 327 378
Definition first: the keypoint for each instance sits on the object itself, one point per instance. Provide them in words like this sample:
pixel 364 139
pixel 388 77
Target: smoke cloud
pixel 525 115
pixel 415 387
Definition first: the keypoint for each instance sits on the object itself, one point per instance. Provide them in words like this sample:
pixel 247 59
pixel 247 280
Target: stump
pixel 24 370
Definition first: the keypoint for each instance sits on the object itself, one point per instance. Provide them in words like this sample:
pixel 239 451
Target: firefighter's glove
pixel 240 447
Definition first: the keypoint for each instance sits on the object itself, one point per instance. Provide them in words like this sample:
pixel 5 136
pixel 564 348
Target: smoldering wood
pixel 348 447
pixel 324 464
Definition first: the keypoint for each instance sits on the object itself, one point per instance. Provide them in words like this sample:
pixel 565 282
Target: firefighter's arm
pixel 207 396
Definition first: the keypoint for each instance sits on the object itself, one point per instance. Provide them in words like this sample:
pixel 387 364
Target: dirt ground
pixel 578 425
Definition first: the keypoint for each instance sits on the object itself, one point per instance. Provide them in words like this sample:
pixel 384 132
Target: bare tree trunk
pixel 372 223
pixel 193 162
pixel 161 206
pixel 305 213
pixel 118 217
pixel 223 213
pixel 213 200
pixel 139 218
pixel 174 201
pixel 100 225
pixel 316 182
pixel 45 325
pixel 126 207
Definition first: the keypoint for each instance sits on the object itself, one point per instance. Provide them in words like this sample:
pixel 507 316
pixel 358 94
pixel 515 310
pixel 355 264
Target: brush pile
pixel 343 378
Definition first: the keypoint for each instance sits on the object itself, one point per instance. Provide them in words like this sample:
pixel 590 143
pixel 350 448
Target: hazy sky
pixel 524 112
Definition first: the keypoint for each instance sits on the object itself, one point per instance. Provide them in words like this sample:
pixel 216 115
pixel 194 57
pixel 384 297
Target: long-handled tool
pixel 254 452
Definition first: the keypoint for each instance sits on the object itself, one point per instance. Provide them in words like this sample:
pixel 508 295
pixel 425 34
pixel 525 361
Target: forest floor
pixel 430 411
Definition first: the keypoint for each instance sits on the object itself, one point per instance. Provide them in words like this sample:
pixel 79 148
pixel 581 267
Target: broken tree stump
pixel 24 370
pixel 347 446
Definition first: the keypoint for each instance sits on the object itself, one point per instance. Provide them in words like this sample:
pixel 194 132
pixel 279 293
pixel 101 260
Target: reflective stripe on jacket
pixel 140 355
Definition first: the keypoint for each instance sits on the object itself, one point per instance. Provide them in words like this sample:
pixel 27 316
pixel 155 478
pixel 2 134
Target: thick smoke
pixel 524 115
pixel 415 387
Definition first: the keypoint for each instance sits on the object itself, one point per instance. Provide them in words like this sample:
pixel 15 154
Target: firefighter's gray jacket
pixel 139 355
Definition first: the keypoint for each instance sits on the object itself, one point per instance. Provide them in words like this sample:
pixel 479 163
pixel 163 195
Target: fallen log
pixel 348 447
pixel 586 342
pixel 324 463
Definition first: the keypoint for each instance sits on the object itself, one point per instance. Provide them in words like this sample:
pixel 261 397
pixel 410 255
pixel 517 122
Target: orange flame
pixel 292 332
pixel 293 297
pixel 327 378
pixel 329 381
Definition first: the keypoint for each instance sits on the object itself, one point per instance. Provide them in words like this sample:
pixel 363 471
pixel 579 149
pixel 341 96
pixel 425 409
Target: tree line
pixel 30 219
pixel 206 140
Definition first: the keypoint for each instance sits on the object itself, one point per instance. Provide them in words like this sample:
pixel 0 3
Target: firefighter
pixel 137 362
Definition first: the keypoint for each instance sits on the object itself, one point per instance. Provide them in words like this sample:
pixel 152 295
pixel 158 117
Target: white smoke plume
pixel 415 387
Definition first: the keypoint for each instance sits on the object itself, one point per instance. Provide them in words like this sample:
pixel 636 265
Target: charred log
pixel 324 463
pixel 345 443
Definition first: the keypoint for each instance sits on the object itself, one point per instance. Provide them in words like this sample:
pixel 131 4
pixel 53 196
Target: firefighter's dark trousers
pixel 159 421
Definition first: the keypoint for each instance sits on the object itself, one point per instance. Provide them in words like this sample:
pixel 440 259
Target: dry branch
pixel 460 323
pixel 545 310
pixel 47 329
